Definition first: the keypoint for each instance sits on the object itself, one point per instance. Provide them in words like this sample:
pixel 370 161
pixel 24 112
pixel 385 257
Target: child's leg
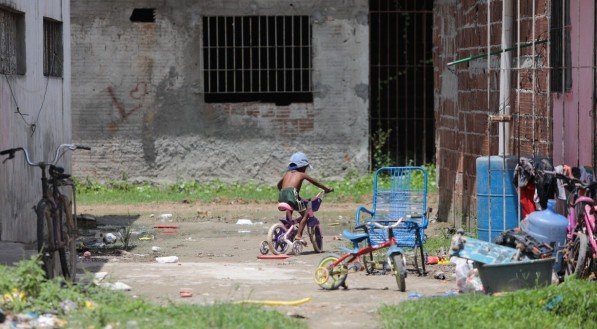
pixel 302 224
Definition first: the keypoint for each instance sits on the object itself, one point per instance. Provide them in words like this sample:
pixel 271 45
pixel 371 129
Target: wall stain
pixel 138 92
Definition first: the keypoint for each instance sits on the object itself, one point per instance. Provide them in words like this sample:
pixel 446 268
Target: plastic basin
pixel 514 276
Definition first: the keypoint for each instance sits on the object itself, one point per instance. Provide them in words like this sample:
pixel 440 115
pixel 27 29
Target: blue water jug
pixel 547 226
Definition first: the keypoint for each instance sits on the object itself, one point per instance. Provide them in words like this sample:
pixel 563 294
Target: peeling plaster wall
pixel 138 101
pixel 20 186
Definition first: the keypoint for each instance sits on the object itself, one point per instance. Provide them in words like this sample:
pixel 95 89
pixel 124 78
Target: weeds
pixel 353 188
pixel 381 156
pixel 23 288
pixel 568 305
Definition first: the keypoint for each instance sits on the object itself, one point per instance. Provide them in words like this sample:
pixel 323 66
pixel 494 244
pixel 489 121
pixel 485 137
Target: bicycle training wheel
pixel 45 236
pixel 275 238
pixel 316 238
pixel 330 278
pixel 399 271
pixel 577 256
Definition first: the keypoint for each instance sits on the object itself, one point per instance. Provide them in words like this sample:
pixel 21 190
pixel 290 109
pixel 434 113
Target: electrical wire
pixel 31 126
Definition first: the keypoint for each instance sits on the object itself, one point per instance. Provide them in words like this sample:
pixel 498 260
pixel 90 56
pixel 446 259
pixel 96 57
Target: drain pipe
pixel 505 73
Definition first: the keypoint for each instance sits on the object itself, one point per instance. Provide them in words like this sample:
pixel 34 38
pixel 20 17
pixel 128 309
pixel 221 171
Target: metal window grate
pixel 250 57
pixel 401 71
pixel 560 51
pixel 11 42
pixel 52 48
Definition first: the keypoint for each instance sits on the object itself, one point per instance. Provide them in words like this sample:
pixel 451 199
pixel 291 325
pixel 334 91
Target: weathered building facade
pixel 552 89
pixel 180 90
pixel 35 111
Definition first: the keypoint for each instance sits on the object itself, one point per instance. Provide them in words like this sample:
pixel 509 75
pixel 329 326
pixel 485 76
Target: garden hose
pixel 275 302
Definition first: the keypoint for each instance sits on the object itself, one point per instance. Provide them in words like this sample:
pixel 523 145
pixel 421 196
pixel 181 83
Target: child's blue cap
pixel 298 160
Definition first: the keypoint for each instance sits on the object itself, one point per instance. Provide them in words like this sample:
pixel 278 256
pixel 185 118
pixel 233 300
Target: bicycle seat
pixel 354 237
pixel 283 206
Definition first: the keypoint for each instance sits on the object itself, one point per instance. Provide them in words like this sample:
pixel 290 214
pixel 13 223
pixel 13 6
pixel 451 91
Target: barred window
pixel 52 48
pixel 12 41
pixel 560 54
pixel 257 58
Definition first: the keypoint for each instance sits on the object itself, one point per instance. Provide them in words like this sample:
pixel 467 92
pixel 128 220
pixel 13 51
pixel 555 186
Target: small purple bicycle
pixel 280 237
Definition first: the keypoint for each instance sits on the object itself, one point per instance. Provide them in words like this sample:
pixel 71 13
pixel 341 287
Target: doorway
pixel 401 78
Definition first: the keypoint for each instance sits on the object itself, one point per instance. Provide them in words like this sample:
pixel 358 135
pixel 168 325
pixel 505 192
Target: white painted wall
pixel 20 186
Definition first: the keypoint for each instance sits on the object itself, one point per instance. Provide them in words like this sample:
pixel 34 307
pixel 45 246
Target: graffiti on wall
pixel 137 93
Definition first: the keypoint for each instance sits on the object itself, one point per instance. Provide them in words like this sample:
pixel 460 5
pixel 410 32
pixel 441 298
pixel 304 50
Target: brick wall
pixel 467 93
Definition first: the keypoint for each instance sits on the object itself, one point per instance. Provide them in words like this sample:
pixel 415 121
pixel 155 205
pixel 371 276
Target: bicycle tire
pixel 577 261
pixel 419 260
pixel 316 238
pixel 275 246
pixel 330 279
pixel 68 228
pixel 44 238
pixel 399 271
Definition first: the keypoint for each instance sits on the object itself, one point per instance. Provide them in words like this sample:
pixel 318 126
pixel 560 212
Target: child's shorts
pixel 290 196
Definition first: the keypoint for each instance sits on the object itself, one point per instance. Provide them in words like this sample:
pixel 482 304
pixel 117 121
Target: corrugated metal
pixel 45 123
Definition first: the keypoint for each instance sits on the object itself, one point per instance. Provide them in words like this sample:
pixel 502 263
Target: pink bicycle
pixel 580 252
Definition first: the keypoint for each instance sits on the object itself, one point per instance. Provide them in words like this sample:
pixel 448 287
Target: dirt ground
pixel 217 261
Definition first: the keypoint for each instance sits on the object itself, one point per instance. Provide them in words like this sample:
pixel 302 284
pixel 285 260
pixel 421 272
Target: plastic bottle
pixel 549 227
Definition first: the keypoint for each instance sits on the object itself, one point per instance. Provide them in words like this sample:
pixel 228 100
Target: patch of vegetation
pixel 435 243
pixel 568 305
pixel 353 188
pixel 24 289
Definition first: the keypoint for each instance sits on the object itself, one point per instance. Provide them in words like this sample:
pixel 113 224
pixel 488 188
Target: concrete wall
pixel 138 95
pixel 20 186
pixel 462 101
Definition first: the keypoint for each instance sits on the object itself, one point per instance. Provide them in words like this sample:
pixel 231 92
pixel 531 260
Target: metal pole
pixel 505 75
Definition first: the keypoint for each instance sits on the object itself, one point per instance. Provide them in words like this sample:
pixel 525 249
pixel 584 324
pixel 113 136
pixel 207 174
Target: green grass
pixel 568 305
pixel 435 243
pixel 351 189
pixel 23 289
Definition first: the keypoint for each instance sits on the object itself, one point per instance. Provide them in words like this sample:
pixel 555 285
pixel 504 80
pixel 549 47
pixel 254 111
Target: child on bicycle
pixel 290 184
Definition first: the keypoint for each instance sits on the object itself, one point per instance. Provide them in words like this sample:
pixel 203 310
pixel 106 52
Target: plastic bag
pixel 467 278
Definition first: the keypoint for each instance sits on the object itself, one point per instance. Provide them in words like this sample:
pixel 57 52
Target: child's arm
pixel 318 184
pixel 280 183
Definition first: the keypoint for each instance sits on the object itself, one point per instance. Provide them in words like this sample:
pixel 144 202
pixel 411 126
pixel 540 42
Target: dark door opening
pixel 401 78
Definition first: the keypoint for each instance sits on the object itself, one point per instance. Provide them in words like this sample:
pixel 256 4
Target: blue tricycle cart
pixel 397 221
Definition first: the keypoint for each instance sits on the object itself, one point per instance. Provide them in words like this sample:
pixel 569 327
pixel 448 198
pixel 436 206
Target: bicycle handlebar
pixel 57 155
pixel 9 151
pixel 378 225
pixel 568 179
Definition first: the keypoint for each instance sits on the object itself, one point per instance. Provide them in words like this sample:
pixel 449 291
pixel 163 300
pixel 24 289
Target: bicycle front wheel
pixel 316 238
pixel 577 256
pixel 399 270
pixel 45 238
pixel 68 228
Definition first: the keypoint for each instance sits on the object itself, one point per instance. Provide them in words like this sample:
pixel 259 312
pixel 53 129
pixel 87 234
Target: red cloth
pixel 527 202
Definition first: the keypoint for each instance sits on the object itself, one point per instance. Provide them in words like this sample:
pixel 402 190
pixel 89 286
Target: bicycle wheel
pixel 330 278
pixel 316 238
pixel 277 244
pixel 419 260
pixel 45 238
pixel 399 271
pixel 577 256
pixel 68 229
